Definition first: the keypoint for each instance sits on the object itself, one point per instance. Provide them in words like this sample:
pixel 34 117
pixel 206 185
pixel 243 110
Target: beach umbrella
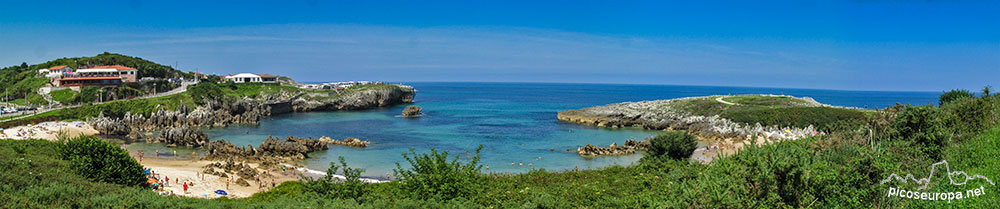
pixel 151 181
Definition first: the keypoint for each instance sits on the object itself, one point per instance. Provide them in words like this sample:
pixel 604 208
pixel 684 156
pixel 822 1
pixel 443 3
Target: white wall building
pixel 252 78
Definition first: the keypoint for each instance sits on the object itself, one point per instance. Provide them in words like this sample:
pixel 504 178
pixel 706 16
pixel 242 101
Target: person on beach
pixel 166 180
pixel 227 184
pixel 157 154
pixel 185 187
pixel 272 183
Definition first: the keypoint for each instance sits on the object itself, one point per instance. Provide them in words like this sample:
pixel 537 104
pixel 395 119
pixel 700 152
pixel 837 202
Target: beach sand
pixel 180 171
pixel 49 131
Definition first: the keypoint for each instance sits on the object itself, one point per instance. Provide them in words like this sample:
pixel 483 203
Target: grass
pixel 770 110
pixel 64 96
pixel 354 89
pixel 254 90
pixel 769 101
pixel 823 118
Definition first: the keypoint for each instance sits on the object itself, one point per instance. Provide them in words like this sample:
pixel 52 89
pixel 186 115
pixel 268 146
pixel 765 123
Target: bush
pixel 674 144
pixel 954 95
pixel 102 161
pixel 969 116
pixel 329 186
pixel 822 118
pixel 918 124
pixel 433 177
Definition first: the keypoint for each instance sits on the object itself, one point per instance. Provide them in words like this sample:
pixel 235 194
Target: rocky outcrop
pixel 181 136
pixel 275 150
pixel 373 97
pixel 293 147
pixel 629 147
pixel 213 113
pixel 658 115
pixel 350 142
pixel 224 112
pixel 411 111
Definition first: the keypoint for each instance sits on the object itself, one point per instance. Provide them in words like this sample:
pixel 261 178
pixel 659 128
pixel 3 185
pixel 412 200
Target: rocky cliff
pixel 181 125
pixel 375 97
pixel 665 115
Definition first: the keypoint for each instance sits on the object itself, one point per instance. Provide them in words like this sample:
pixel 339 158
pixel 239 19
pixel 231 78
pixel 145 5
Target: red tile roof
pixel 90 78
pixel 58 67
pixel 117 67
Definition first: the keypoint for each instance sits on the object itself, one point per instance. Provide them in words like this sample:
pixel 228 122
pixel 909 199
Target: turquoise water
pixel 516 122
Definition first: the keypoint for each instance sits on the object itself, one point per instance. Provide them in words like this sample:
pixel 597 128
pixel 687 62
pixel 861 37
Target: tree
pixel 674 144
pixel 986 91
pixel 24 65
pixel 211 78
pixel 954 95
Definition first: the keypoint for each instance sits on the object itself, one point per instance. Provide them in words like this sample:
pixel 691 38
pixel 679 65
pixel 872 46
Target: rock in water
pixel 183 136
pixel 411 111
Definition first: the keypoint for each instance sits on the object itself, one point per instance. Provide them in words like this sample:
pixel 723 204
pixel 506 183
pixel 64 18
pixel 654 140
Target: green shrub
pixel 954 95
pixel 674 144
pixel 351 187
pixel 434 177
pixel 102 161
pixel 918 124
pixel 969 116
pixel 822 118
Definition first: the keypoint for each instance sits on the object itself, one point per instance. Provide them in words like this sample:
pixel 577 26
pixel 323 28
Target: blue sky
pixel 853 45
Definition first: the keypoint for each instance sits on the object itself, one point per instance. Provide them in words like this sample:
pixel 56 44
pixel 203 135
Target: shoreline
pixel 181 171
pixel 50 130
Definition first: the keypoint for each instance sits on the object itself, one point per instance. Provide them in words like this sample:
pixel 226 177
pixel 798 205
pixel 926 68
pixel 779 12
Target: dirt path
pixel 719 99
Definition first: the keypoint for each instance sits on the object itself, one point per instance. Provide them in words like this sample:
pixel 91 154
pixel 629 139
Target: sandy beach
pixel 49 130
pixel 204 186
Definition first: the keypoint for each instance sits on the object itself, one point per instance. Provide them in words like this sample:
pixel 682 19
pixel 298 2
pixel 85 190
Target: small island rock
pixel 411 111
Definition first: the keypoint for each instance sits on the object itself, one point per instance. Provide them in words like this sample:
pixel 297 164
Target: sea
pixel 515 123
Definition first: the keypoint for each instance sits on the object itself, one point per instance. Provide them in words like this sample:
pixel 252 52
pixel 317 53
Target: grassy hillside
pixel 64 96
pixel 771 110
pixel 22 81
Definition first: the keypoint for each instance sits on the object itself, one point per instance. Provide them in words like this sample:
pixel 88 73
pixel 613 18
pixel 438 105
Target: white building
pixel 56 70
pixel 252 78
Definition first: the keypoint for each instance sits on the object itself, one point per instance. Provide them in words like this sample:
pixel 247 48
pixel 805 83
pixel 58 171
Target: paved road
pixel 177 90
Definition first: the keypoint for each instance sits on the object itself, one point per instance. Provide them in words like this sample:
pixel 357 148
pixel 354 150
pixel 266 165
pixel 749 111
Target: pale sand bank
pixel 180 171
pixel 49 131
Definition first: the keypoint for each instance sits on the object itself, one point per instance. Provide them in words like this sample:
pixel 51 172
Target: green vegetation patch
pixel 823 118
pixel 768 101
pixel 771 110
pixel 64 96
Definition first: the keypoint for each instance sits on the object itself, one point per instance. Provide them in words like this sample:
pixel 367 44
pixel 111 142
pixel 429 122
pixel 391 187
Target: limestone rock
pixel 411 111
